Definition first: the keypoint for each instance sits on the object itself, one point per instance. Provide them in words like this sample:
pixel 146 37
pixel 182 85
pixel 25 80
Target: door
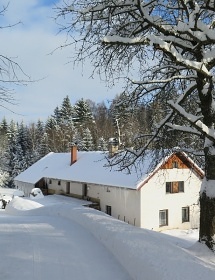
pixel 84 190
pixel 67 187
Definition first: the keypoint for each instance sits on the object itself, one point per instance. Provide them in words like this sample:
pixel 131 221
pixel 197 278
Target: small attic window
pixel 59 182
pixel 174 164
pixel 50 181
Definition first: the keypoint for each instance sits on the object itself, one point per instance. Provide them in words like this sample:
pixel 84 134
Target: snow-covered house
pixel 166 198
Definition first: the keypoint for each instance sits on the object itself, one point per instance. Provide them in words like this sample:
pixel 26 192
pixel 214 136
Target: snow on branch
pixel 190 117
pixel 183 128
pixel 164 81
pixel 114 39
pixel 194 120
pixel 164 46
pixel 170 49
pixel 208 131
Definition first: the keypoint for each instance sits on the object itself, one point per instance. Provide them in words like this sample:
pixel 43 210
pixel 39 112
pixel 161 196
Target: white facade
pixel 154 199
pixel 142 207
pixel 25 187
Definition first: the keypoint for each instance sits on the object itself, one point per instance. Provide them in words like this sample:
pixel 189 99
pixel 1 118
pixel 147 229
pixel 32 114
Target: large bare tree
pixel 171 46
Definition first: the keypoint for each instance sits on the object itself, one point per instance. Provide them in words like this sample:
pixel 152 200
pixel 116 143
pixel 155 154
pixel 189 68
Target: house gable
pixel 175 161
pixel 178 160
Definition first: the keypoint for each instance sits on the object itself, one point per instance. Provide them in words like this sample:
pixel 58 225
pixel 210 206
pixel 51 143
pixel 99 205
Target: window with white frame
pixel 163 217
pixel 185 214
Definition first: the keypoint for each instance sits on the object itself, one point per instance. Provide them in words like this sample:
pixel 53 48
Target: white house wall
pixel 124 203
pixel 25 187
pixel 75 187
pixel 154 198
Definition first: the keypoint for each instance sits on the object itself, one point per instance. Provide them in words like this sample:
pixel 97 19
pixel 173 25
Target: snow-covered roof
pixel 89 168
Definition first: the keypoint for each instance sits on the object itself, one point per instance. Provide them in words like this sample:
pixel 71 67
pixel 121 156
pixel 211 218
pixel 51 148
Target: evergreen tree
pixel 3 126
pixel 43 149
pixel 57 115
pixel 77 140
pixel 66 127
pixel 87 140
pixel 39 129
pixel 66 111
pixel 83 115
pixel 59 136
pixel 19 161
pixel 42 145
pixel 4 179
pixel 51 128
pixel 102 144
pixel 3 141
pixel 59 128
pixel 25 142
pixel 11 152
pixel 50 123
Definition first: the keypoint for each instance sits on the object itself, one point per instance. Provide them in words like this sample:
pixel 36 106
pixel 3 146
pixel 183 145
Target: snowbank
pixel 144 254
pixel 36 193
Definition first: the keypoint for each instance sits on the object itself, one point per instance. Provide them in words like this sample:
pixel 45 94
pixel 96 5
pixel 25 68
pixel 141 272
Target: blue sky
pixel 30 44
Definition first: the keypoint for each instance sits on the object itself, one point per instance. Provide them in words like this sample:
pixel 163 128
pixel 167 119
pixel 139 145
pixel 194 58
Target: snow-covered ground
pixel 55 237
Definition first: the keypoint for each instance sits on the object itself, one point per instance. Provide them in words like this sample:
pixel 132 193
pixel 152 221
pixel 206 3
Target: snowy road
pixel 53 248
pixel 57 238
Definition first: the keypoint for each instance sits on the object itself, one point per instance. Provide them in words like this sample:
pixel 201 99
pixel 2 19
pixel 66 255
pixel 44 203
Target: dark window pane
pixel 163 217
pixel 185 214
pixel 168 187
pixel 181 186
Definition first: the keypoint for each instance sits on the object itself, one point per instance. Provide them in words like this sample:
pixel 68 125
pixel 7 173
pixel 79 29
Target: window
pixel 50 181
pixel 59 183
pixel 174 164
pixel 108 210
pixel 163 218
pixel 185 214
pixel 175 187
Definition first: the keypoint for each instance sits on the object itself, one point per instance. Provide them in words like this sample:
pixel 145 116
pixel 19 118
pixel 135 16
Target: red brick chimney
pixel 73 154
